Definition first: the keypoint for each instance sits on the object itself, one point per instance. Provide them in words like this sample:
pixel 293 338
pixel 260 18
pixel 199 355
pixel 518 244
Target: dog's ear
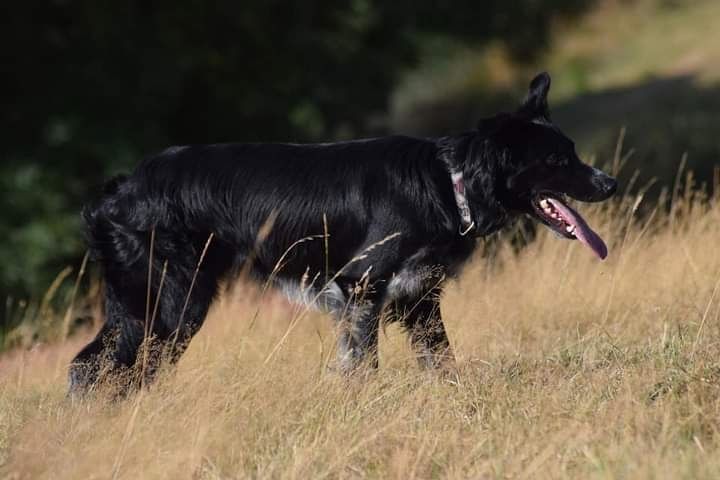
pixel 536 104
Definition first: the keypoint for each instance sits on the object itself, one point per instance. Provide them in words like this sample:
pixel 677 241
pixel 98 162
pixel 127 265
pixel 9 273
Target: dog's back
pixel 297 191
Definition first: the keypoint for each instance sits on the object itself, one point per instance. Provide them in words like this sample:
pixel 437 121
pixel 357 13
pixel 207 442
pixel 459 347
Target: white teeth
pixel 570 229
pixel 544 204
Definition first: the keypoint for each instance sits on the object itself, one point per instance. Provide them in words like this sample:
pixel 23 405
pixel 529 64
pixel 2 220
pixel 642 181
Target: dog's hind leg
pixel 121 243
pixel 114 349
pixel 189 287
pixel 144 326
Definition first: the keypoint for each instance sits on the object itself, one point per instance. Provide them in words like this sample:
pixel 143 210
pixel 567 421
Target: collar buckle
pixel 467 230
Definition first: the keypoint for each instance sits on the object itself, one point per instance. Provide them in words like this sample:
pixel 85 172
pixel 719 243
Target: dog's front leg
pixel 358 330
pixel 423 322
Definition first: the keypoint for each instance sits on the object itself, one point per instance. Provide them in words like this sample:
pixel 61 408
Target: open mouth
pixel 557 215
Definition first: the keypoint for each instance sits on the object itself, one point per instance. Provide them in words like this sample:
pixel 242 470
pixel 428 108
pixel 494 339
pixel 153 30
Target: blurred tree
pixel 88 87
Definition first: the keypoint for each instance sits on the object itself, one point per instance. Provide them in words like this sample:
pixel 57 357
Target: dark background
pixel 88 88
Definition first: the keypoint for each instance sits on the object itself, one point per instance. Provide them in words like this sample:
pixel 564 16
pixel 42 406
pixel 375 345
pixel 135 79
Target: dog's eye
pixel 556 160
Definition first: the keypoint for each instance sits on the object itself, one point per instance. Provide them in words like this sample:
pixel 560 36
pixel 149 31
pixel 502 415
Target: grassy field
pixel 568 367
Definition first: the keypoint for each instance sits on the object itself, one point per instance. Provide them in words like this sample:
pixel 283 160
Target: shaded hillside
pixel 651 67
pixel 665 119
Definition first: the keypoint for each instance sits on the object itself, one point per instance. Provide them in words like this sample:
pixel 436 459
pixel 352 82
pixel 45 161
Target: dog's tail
pixel 101 218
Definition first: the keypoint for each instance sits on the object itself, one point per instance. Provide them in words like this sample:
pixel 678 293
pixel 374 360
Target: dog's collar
pixel 447 153
pixel 466 221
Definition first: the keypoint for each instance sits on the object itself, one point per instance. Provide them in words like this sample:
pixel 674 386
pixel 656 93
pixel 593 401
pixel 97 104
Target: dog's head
pixel 536 168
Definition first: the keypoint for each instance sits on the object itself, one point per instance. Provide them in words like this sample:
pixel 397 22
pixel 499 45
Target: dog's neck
pixel 448 155
pixel 471 164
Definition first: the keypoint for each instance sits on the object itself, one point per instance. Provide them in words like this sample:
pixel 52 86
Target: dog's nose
pixel 610 186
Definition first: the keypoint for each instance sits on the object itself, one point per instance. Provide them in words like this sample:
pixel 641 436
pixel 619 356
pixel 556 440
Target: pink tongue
pixel 583 232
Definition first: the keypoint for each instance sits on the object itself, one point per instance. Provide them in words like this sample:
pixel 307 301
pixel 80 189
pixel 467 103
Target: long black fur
pixel 387 205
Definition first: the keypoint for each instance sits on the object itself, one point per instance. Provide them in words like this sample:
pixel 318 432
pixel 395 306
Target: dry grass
pixel 569 368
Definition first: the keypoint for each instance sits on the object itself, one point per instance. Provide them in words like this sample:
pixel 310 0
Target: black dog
pixel 359 228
